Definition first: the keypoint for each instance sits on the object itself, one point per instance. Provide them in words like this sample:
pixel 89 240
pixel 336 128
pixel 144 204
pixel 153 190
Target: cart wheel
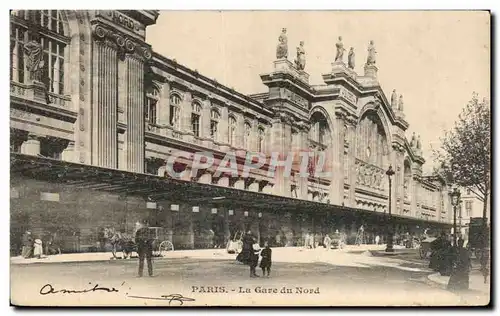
pixel 164 247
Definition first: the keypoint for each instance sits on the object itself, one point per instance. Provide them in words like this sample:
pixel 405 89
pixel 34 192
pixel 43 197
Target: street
pixel 310 277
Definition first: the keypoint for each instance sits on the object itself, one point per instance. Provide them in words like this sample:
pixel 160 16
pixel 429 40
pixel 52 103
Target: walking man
pixel 144 244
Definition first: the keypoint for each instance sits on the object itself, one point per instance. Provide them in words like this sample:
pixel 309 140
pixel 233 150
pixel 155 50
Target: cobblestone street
pixel 213 277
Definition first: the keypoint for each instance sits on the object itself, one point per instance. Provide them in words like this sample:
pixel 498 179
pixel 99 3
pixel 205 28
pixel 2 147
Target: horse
pixel 119 240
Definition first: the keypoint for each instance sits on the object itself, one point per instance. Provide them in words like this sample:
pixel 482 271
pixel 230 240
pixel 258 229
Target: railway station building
pixel 95 114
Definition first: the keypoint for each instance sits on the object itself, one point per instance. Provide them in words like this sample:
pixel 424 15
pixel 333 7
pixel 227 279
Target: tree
pixel 465 153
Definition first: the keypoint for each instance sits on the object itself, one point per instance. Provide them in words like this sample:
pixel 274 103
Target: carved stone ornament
pixel 124 44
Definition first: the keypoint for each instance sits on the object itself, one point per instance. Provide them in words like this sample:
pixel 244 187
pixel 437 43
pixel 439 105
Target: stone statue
pixel 340 50
pixel 350 58
pixel 413 142
pixel 33 54
pixel 401 104
pixel 282 48
pixel 394 99
pixel 371 60
pixel 419 143
pixel 300 62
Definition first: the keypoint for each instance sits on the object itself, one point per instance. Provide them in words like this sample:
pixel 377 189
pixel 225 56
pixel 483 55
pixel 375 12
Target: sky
pixel 436 59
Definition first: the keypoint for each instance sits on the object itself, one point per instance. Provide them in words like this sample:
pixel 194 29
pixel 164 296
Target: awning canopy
pixel 156 188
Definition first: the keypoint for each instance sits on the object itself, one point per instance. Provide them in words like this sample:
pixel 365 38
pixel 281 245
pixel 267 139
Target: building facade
pixel 87 89
pixel 470 207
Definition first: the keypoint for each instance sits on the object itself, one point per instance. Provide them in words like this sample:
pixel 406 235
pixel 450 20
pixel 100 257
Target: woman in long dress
pixel 459 279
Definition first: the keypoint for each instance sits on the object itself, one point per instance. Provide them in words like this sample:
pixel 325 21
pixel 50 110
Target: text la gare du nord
pixel 257 289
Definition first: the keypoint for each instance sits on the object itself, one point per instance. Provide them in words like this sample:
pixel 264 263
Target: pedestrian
pixel 144 244
pixel 27 245
pixel 377 239
pixel 327 242
pixel 459 279
pixel 266 262
pixel 38 248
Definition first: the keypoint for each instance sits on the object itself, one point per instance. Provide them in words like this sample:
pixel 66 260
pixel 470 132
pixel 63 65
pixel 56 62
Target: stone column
pixel 164 108
pixel 224 126
pixel 413 203
pixel 280 146
pixel 185 110
pixel 135 113
pixel 351 138
pixel 303 146
pixel 205 119
pixel 104 131
pixel 337 161
pixel 31 146
pixel 240 131
pixel 399 188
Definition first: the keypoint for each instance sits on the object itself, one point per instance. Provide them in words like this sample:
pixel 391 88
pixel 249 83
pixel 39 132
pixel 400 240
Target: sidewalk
pixel 200 254
pixel 476 281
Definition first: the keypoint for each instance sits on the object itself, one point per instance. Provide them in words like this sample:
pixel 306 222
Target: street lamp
pixel 455 200
pixel 389 248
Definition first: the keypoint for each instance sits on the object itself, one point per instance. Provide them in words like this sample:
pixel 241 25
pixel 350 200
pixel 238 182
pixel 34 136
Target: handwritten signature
pixel 170 298
pixel 49 289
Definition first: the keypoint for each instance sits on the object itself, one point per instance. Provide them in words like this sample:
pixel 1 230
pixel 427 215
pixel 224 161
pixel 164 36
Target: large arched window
pixel 152 100
pixel 246 136
pixel 372 144
pixel 49 29
pixel 195 118
pixel 320 131
pixel 232 130
pixel 214 123
pixel 261 139
pixel 175 103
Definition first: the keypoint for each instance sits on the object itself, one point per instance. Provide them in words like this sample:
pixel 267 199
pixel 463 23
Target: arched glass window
pixel 48 29
pixel 232 130
pixel 261 139
pixel 175 103
pixel 152 99
pixel 246 138
pixel 214 123
pixel 195 118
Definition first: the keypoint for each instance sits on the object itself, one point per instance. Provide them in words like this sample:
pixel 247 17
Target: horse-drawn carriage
pixel 338 240
pixel 424 247
pixel 125 242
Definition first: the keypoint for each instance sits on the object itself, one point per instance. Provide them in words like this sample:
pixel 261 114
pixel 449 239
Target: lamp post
pixel 389 248
pixel 455 199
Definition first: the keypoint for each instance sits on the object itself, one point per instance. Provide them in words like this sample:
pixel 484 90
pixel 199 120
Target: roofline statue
pixel 282 48
pixel 300 62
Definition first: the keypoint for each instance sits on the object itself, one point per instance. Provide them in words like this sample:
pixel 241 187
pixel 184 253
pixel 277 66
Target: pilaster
pixel 351 152
pixel 105 78
pixel 135 114
pixel 336 152
pixel 223 125
pixel 185 110
pixel 164 108
pixel 280 147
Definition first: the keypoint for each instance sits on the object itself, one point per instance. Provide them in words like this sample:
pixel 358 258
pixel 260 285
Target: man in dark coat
pixel 144 244
pixel 248 255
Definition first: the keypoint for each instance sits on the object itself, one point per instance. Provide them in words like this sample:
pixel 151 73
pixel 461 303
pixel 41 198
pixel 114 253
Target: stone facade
pixel 115 103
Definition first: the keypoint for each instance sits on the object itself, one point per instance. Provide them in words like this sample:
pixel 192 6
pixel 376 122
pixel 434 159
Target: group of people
pixel 35 247
pixel 250 252
pixel 451 260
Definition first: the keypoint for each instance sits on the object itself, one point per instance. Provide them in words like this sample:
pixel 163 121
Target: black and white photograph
pixel 250 158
